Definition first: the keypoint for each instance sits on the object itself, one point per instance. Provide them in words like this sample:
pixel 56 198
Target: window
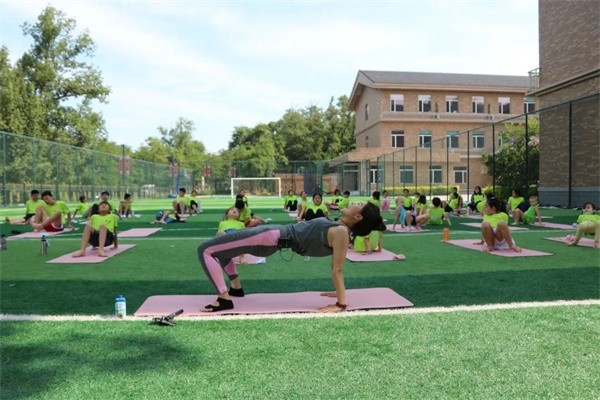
pixel 529 105
pixel 460 174
pixel 374 175
pixel 397 138
pixel 424 103
pixel 451 104
pixel 478 107
pixel 397 102
pixel 367 141
pixel 406 174
pixel 478 140
pixel 366 112
pixel 452 139
pixel 435 174
pixel 425 139
pixel 503 105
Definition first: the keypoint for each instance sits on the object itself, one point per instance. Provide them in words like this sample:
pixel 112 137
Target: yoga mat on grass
pixel 404 230
pixel 293 214
pixel 555 226
pixel 272 303
pixel 138 232
pixel 478 225
pixel 38 235
pixel 91 256
pixel 584 242
pixel 384 255
pixel 469 244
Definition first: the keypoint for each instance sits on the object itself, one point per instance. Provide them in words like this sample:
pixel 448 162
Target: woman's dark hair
pixel 499 205
pixel 336 192
pixel 422 199
pixel 590 203
pixel 82 197
pixel 376 195
pixel 240 205
pixel 227 212
pixel 371 221
pixel 477 190
pixel 517 192
pixel 317 194
pixel 436 202
pixel 239 197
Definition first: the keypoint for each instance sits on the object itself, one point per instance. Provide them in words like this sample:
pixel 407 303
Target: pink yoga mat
pixel 469 244
pixel 272 303
pixel 384 255
pixel 138 232
pixel 478 225
pixel 555 226
pixel 584 242
pixel 91 257
pixel 38 235
pixel 404 230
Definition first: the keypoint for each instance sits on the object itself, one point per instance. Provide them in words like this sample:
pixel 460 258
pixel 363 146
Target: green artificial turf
pixel 519 353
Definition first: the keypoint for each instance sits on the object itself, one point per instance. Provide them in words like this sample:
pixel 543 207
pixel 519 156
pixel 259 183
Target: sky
pixel 225 64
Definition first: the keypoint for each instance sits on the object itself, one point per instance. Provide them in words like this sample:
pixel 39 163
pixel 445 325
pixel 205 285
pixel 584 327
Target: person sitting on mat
pixel 455 202
pixel 403 210
pixel 516 201
pixel 181 204
pixel 231 223
pixel 385 202
pixel 249 219
pixel 587 223
pixel 334 205
pixel 345 202
pixel 83 207
pixel 373 242
pixel 290 202
pixel 435 214
pixel 195 203
pixel 100 232
pixel 316 210
pixel 303 203
pixel 125 206
pixel 51 215
pixel 319 237
pixel 476 198
pixel 31 206
pixel 528 217
pixel 165 217
pixel 495 232
pixel 375 198
pixel 421 215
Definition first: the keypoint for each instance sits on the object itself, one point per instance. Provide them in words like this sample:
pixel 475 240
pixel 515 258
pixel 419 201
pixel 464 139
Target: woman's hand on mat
pixel 329 294
pixel 331 308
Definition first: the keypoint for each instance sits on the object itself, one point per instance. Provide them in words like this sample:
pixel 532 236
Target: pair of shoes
pixel 224 304
pixel 236 292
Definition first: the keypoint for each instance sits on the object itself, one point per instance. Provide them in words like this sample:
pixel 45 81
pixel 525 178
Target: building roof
pixel 416 80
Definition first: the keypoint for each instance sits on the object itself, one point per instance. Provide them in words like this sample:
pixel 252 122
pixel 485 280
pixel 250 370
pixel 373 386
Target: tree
pixel 62 82
pixel 516 163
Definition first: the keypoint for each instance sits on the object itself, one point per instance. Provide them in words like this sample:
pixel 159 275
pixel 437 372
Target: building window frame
pixel 452 139
pixel 478 104
pixel 397 102
pixel 397 139
pixel 460 174
pixel 528 105
pixel 425 103
pixel 425 139
pixel 435 174
pixel 367 112
pixel 503 105
pixel 374 175
pixel 406 174
pixel 451 104
pixel 478 139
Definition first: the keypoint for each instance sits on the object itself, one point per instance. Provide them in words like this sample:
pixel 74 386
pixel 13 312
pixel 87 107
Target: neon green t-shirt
pixel 373 238
pixel 477 198
pixel 81 208
pixel 245 215
pixel 436 215
pixel 376 202
pixel 185 199
pixel 289 199
pixel 59 205
pixel 407 201
pixel 513 202
pixel 453 203
pixel 480 206
pixel 229 224
pixel 493 219
pixel 31 206
pixel 321 207
pixel 336 199
pixel 344 202
pixel 110 221
pixel 588 217
pixel 530 214
pixel 421 207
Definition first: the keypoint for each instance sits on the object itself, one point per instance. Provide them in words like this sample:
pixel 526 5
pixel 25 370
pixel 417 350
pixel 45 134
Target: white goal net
pixel 256 186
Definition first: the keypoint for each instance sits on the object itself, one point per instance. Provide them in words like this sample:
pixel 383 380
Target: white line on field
pixel 368 313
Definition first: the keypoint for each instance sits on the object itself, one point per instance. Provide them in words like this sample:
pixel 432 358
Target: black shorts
pixel 95 239
pixel 448 208
pixel 27 217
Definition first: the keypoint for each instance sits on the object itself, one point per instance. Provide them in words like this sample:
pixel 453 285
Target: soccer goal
pixel 256 186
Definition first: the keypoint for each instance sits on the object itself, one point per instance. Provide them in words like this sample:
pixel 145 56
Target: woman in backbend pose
pixel 319 237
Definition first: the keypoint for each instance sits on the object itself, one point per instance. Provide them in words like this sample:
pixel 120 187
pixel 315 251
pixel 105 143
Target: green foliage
pixel 516 164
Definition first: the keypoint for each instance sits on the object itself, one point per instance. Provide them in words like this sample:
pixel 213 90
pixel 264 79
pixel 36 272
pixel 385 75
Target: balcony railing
pixel 534 79
pixel 444 116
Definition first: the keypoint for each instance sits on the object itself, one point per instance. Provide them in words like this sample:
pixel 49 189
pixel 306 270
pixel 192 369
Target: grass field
pixel 548 352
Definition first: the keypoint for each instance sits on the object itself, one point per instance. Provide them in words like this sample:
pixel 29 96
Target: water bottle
pixel 120 307
pixel 3 243
pixel 44 245
pixel 446 234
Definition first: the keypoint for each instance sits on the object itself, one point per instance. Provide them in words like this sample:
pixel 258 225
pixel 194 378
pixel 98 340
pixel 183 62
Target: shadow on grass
pixel 33 365
pixel 97 297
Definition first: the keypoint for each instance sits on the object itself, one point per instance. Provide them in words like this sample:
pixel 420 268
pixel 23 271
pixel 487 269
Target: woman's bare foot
pixel 488 249
pixel 101 253
pixel 81 253
pixel 328 294
pixel 399 257
pixel 515 248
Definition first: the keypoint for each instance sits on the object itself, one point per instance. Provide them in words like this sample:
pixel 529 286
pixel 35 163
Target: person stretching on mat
pixel 587 223
pixel 319 237
pixel 495 232
pixel 101 231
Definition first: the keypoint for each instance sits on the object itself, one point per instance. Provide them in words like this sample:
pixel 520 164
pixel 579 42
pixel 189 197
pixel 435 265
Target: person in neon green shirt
pixel 31 206
pixel 375 198
pixel 436 214
pixel 528 217
pixel 230 222
pixel 345 201
pixel 495 232
pixel 334 205
pixel 125 210
pixel 316 210
pixel 181 204
pixel 101 231
pixel 373 242
pixel 587 223
pixel 52 215
pixel 514 201
pixel 83 207
pixel 290 202
pixel 249 219
pixel 476 198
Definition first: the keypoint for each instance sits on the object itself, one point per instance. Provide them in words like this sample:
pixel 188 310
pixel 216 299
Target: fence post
pixel 570 154
pixel 527 155
pixel 494 159
pixel 4 191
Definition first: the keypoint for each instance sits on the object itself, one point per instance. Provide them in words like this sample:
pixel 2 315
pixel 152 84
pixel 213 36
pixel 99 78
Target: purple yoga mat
pixel 384 255
pixel 91 257
pixel 469 244
pixel 272 303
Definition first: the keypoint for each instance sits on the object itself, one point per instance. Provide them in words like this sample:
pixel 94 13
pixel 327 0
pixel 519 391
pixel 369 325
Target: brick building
pixel 569 37
pixel 430 126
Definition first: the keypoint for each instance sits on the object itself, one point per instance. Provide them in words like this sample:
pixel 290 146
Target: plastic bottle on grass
pixel 446 235
pixel 44 245
pixel 120 307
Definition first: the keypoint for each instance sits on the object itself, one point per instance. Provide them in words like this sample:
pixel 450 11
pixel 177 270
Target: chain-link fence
pixel 499 156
